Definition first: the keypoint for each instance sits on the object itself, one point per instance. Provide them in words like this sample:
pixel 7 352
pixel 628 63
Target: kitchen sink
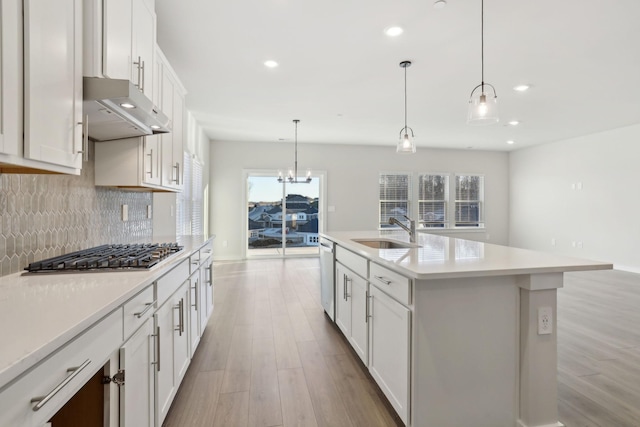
pixel 385 244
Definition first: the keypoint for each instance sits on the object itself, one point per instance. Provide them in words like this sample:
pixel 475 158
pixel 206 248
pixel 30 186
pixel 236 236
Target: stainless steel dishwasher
pixel 327 260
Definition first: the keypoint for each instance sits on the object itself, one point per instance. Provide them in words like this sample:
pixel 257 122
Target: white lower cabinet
pixel 172 349
pixel 137 395
pixel 351 309
pixel 194 318
pixel 389 348
pixel 36 396
pixel 207 273
pixel 343 304
pixel 374 314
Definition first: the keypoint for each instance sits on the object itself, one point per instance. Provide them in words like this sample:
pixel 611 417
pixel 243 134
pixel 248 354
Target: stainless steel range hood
pixel 117 109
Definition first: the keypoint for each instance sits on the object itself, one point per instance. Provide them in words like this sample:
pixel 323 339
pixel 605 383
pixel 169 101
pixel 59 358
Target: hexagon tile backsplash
pixel 42 216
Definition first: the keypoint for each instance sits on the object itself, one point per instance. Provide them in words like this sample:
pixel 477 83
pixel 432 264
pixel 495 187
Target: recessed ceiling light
pixel 154 127
pixel 393 31
pixel 521 88
pixel 514 123
pixel 127 105
pixel 510 142
pixel 270 63
pixel 440 4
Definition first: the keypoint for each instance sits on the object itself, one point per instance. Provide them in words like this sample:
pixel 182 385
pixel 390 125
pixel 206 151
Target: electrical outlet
pixel 125 212
pixel 545 320
pixel 148 211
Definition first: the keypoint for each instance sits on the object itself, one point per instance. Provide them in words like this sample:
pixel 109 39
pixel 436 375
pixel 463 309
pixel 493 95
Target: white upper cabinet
pixel 53 82
pixel 171 94
pixel 10 78
pixel 143 44
pixel 119 41
pixel 41 123
pixel 117 36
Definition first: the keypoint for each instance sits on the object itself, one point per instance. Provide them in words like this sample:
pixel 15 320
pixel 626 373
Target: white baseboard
pixel 558 424
pixel 628 268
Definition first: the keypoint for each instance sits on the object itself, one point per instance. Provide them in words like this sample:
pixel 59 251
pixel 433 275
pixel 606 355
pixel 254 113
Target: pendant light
pixel 406 143
pixel 483 107
pixel 292 175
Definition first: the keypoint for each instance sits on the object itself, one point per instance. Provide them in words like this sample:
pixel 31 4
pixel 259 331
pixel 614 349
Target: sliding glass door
pixel 283 219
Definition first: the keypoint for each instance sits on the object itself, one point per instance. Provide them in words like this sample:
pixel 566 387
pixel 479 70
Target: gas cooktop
pixel 107 258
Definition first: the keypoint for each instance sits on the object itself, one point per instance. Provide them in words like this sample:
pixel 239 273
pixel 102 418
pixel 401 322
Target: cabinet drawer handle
pixel 142 313
pixel 42 400
pixel 383 280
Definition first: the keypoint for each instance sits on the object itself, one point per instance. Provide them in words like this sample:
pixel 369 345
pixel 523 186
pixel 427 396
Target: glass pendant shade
pixel 483 106
pixel 406 143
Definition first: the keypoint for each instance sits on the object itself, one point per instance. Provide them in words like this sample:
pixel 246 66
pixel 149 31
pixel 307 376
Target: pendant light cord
pixel 295 165
pixel 482 41
pixel 405 99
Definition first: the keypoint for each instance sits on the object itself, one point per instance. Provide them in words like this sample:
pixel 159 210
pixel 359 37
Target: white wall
pixel 352 183
pixel 603 215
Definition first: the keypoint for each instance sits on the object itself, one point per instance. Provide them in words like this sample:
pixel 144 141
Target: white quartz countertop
pixel 41 312
pixel 442 257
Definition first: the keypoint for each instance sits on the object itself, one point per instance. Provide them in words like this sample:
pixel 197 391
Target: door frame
pixel 322 207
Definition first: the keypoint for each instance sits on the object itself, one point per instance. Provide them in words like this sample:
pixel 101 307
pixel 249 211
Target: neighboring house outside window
pixel 395 193
pixel 435 203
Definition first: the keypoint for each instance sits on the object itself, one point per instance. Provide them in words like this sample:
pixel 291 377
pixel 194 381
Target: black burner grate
pixel 108 257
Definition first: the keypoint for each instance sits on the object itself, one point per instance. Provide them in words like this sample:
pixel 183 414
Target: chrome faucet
pixel 411 229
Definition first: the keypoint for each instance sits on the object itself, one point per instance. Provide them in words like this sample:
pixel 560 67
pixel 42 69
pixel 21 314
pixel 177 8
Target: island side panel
pixel 465 353
pixel 538 352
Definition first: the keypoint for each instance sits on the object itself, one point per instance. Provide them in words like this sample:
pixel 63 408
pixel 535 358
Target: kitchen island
pixel 456 333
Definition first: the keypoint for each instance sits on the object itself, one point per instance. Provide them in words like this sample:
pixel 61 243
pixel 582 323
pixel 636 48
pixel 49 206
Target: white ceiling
pixel 339 72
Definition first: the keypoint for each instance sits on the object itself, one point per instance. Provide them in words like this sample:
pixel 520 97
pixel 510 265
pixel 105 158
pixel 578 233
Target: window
pixel 189 209
pixel 439 204
pixel 433 192
pixel 395 193
pixel 469 195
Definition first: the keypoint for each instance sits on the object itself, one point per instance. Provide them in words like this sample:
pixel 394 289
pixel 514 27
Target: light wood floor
pixel 270 357
pixel 599 349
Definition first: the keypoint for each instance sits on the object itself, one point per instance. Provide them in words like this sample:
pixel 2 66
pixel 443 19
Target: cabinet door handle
pixel 157 337
pixel 150 163
pixel 367 312
pixel 180 308
pixel 138 64
pixel 149 306
pixel 210 275
pixel 344 287
pixel 195 294
pixel 383 280
pixel 42 400
pixel 346 284
pixel 142 72
pixel 177 168
pixel 85 139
